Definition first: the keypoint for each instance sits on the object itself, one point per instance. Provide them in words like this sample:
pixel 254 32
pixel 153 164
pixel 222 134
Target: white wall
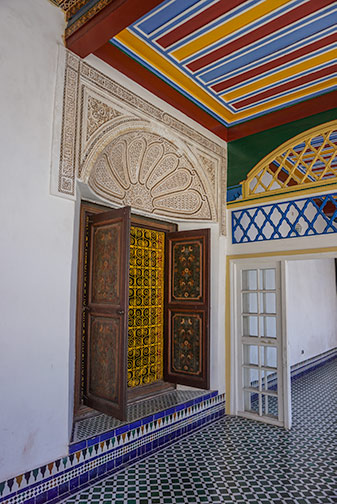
pixel 36 245
pixel 39 247
pixel 311 308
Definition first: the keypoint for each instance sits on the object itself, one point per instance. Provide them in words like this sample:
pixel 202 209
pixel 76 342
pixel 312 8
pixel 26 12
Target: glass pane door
pixel 260 350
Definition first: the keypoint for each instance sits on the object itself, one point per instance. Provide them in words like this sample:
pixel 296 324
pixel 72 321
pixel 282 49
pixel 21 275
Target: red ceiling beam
pixel 119 60
pixel 106 24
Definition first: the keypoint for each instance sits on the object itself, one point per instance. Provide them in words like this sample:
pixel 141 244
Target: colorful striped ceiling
pixel 239 60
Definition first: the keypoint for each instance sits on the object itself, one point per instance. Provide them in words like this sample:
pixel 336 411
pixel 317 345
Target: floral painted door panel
pixel 187 308
pixel 187 278
pixel 107 311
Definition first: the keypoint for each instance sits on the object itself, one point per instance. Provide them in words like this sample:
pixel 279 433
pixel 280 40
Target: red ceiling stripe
pixel 312 76
pixel 225 84
pixel 259 33
pixel 198 21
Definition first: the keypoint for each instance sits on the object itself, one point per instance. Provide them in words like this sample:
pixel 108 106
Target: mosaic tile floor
pixel 93 426
pixel 242 461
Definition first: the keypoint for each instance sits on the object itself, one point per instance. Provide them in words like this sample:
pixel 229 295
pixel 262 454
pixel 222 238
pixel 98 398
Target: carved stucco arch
pixel 131 162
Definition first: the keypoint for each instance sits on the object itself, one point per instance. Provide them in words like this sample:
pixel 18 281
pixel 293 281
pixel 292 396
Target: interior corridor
pixel 235 460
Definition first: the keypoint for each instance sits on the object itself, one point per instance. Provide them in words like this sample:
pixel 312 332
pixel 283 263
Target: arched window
pixel 308 160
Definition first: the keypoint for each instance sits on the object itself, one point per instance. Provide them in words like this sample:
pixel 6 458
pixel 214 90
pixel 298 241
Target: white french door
pixel 261 353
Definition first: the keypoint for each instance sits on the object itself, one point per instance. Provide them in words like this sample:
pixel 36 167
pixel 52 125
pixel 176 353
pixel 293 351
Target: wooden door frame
pixel 88 209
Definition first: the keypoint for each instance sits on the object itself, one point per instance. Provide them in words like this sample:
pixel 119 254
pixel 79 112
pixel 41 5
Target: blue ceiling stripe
pixel 233 13
pixel 296 100
pixel 279 107
pixel 266 59
pixel 247 28
pixel 270 45
pixel 165 14
pixel 174 22
pixel 281 67
pixel 81 11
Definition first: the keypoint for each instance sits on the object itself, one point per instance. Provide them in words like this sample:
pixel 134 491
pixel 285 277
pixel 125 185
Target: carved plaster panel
pixel 146 171
pixel 132 153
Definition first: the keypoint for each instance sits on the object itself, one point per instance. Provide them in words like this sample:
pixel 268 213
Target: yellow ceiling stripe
pixel 227 28
pixel 158 62
pixel 276 77
pixel 289 97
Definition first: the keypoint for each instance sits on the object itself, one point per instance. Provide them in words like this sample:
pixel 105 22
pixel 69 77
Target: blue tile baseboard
pixel 92 460
pixel 310 364
pixel 298 370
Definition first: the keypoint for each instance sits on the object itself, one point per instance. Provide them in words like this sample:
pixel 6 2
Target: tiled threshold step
pixel 92 459
pixel 146 410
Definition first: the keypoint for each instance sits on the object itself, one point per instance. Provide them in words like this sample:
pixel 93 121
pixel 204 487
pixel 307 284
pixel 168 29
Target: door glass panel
pixel 269 356
pixel 251 378
pixel 268 327
pixel 251 401
pixel 250 354
pixel 272 406
pixel 250 326
pixel 260 377
pixel 268 302
pixel 267 279
pixel 269 380
pixel 249 280
pixel 249 302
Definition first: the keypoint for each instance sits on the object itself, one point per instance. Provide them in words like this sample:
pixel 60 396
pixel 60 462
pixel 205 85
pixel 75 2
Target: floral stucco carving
pixel 146 171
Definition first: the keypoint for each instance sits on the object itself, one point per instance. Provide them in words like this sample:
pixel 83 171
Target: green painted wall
pixel 245 153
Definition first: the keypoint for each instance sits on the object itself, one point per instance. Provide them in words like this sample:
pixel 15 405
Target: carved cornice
pixel 71 7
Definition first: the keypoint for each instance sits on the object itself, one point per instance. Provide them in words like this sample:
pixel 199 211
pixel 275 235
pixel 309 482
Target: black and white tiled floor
pixel 242 461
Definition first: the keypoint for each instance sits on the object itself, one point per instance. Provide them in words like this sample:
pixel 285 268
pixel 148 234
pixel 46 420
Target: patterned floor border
pixel 92 460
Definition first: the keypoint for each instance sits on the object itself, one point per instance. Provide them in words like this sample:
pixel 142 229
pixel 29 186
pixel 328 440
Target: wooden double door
pixel 103 303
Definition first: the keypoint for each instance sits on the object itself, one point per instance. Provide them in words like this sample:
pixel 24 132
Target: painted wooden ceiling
pixel 238 59
pixel 236 66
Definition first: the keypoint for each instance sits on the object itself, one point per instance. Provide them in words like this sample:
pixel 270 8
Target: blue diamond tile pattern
pixel 235 460
pixel 310 216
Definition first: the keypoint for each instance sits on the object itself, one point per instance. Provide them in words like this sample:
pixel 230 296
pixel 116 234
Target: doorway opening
pixel 146 307
pixel 311 314
pixel 283 324
pixel 143 310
